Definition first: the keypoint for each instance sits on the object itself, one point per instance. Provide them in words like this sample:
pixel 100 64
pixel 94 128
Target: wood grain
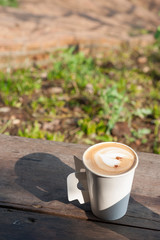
pixel 33 177
pixel 27 225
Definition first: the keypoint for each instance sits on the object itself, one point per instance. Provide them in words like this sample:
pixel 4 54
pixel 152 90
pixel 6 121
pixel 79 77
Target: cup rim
pixel 107 175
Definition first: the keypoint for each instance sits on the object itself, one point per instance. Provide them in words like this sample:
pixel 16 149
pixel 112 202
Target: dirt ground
pixel 32 31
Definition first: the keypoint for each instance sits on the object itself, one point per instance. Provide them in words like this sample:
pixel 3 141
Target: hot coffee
pixel 109 158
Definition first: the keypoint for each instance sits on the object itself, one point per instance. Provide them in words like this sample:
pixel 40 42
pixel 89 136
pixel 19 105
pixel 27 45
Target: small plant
pixel 87 126
pixel 156 145
pixel 9 3
pixel 112 105
pixel 156 111
pixel 142 112
pixel 75 69
pixel 157 37
pixel 13 87
pixel 35 131
pixel 141 134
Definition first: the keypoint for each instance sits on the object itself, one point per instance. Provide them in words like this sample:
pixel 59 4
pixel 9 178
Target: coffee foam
pixel 110 158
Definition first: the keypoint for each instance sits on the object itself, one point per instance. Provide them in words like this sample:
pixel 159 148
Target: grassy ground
pixel 84 100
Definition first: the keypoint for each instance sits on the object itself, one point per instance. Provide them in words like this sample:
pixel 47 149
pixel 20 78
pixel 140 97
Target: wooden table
pixel 33 195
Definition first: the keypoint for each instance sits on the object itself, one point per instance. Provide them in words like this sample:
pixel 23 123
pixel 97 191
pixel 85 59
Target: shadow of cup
pixel 44 175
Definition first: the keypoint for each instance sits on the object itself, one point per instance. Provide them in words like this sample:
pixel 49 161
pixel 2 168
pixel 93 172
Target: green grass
pixel 9 3
pixel 82 99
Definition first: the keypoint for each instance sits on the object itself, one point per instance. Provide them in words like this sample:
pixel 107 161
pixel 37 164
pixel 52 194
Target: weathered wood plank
pixel 33 176
pixel 27 225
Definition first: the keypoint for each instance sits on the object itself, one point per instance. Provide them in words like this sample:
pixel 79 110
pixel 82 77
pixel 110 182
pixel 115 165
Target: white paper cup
pixel 108 194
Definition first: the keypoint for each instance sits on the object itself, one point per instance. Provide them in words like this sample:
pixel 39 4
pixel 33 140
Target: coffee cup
pixel 106 180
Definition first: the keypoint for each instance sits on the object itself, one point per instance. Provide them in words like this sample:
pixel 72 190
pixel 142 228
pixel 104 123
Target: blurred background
pixel 81 71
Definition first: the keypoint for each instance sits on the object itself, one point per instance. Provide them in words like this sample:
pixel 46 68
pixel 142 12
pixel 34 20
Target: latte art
pixel 110 158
